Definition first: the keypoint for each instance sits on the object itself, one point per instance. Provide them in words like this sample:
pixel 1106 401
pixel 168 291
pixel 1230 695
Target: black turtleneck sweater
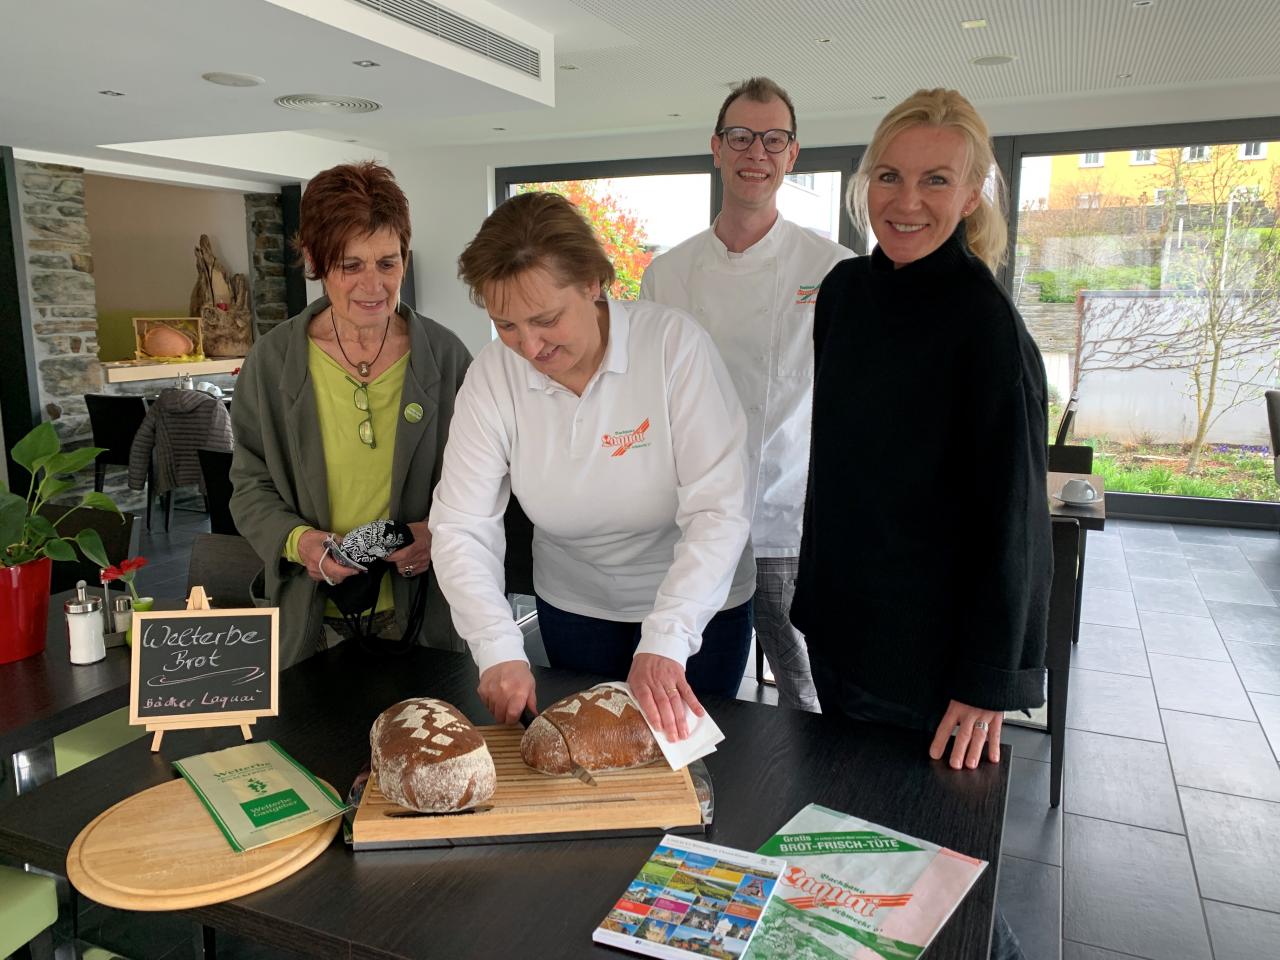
pixel 926 555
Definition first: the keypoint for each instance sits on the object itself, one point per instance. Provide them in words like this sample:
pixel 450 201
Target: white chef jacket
pixel 636 489
pixel 758 307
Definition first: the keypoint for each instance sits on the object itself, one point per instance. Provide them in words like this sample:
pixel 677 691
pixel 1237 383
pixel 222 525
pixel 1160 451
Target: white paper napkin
pixel 702 739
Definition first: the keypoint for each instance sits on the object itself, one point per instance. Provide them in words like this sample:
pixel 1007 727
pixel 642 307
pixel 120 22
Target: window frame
pixel 1136 161
pixel 1260 155
pixel 1086 163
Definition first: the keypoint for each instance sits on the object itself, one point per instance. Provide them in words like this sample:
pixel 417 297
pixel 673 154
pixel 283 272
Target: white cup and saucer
pixel 1078 492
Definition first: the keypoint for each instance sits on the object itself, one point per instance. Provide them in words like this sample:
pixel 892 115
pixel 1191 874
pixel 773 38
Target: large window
pixel 637 218
pixel 1153 289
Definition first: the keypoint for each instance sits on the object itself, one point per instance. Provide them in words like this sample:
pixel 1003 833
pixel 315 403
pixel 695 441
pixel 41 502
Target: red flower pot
pixel 24 609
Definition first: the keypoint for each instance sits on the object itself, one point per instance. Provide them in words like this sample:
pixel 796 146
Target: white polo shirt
pixel 758 307
pixel 636 489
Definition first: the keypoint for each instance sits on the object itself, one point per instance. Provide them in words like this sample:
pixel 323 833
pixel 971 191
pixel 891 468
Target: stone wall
pixel 61 289
pixel 267 250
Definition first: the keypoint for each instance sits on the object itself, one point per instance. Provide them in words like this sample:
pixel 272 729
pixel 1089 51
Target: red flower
pixel 111 573
pixel 137 563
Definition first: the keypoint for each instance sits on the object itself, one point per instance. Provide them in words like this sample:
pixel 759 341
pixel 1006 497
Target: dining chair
pixel 225 566
pixel 1074 458
pixel 28 909
pixel 116 531
pixel 1068 420
pixel 114 421
pixel 215 467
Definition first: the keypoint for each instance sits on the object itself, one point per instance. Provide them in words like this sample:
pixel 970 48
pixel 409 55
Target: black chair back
pixel 116 531
pixel 1273 420
pixel 225 566
pixel 215 466
pixel 1068 419
pixel 1070 458
pixel 114 421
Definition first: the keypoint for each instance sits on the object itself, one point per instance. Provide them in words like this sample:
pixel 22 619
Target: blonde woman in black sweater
pixel 926 555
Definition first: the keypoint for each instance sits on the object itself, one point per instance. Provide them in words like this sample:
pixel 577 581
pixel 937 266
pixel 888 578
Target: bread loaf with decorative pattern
pixel 598 729
pixel 428 757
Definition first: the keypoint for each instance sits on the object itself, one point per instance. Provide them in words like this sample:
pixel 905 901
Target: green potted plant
pixel 29 542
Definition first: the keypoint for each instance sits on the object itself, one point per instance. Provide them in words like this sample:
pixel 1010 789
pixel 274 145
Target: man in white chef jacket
pixel 751 280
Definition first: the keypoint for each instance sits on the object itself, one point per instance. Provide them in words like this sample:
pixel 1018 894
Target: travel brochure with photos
pixel 692 899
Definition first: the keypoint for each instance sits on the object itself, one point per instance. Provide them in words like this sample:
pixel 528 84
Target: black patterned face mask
pixel 366 548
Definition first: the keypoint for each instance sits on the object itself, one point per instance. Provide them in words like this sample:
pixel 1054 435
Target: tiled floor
pixel 1167 843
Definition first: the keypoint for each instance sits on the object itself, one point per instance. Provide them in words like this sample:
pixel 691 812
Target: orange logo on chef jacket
pixel 624 440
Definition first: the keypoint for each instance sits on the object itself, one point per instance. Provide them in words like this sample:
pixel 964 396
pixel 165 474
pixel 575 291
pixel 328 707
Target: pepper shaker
pixel 85 626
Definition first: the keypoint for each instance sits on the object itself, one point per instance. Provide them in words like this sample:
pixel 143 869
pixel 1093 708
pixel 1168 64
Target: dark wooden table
pixel 1070 528
pixel 527 899
pixel 45 695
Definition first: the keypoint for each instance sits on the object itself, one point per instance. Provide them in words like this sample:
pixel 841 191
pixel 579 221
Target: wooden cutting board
pixel 160 850
pixel 531 805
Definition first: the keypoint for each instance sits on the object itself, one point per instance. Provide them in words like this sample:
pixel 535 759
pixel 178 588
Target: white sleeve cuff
pixel 490 653
pixel 672 646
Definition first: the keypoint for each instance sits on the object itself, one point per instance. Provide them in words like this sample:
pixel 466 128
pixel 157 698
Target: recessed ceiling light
pixel 973 24
pixel 1123 76
pixel 232 79
pixel 878 96
pixel 326 103
pixel 568 66
pixel 673 114
pixel 1142 3
pixel 995 60
pixel 366 63
pixel 351 140
pixel 499 128
pixel 111 93
pixel 822 40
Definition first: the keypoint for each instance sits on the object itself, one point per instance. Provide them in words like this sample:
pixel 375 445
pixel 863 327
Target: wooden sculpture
pixel 222 306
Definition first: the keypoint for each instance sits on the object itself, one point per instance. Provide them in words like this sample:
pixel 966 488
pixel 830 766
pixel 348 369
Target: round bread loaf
pixel 598 729
pixel 429 757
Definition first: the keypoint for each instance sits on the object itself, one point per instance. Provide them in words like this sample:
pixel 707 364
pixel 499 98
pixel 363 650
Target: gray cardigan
pixel 278 470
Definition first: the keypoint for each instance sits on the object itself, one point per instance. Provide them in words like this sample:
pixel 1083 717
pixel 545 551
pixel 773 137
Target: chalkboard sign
pixel 198 668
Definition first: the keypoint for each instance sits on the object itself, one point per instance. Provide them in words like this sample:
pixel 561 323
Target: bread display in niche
pixel 598 729
pixel 428 757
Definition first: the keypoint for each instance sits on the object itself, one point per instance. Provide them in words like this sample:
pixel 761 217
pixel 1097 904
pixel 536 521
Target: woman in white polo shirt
pixel 618 428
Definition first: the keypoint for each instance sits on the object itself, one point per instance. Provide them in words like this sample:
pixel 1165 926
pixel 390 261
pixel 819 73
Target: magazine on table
pixel 692 899
pixel 854 890
pixel 257 794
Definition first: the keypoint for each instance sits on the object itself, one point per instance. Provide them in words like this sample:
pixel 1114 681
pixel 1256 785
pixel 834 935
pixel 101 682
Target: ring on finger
pixel 981 725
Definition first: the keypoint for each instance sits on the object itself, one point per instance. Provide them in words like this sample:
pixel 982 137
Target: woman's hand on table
pixel 507 688
pixel 659 687
pixel 413 560
pixel 320 566
pixel 977 728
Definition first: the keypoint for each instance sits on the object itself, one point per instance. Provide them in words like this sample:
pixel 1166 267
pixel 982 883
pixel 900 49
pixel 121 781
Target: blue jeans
pixel 592 645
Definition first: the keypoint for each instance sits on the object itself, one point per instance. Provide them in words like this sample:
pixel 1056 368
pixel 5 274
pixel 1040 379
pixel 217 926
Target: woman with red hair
pixel 340 418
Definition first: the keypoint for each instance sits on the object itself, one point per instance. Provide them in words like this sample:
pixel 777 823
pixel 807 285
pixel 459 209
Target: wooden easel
pixel 199 600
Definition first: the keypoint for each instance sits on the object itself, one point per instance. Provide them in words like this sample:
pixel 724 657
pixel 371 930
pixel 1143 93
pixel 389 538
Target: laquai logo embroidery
pixel 624 440
pixel 807 293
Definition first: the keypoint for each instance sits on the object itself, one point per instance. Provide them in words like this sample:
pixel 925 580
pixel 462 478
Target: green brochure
pixel 257 793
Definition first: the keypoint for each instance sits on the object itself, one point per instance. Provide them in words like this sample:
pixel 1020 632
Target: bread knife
pixel 578 770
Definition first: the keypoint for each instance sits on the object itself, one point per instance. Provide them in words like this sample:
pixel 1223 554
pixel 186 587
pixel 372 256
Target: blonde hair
pixel 986 231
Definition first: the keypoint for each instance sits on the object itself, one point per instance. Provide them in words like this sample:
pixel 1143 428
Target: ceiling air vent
pixel 448 25
pixel 325 103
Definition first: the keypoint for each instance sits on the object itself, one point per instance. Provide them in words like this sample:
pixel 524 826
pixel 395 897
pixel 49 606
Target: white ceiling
pixel 638 64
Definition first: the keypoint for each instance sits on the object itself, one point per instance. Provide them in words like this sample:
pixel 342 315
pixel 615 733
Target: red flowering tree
pixel 621 233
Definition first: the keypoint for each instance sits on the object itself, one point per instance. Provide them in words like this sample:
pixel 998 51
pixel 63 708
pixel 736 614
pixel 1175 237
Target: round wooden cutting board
pixel 160 850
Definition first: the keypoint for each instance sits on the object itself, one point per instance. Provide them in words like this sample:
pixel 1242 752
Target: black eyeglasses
pixel 741 138
pixel 361 399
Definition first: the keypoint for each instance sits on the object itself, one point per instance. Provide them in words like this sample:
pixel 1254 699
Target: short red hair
pixel 348 201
